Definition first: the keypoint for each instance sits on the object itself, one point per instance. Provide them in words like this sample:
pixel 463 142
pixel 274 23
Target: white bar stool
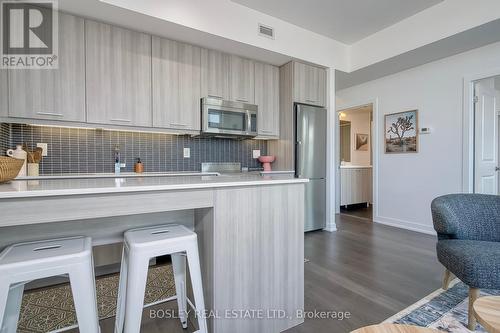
pixel 24 262
pixel 140 245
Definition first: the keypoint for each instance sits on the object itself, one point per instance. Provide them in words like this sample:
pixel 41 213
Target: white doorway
pixel 486 135
pixel 355 161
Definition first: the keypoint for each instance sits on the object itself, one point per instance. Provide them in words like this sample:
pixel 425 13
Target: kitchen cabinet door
pixel 241 80
pixel 53 94
pixel 309 84
pixel 4 94
pixel 267 99
pixel 214 74
pixel 118 74
pixel 176 85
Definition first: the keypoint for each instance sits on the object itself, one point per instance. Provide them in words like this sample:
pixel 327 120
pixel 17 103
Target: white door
pixel 486 137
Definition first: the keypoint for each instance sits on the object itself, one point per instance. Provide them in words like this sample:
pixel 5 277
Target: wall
pixel 80 150
pixel 360 123
pixel 407 183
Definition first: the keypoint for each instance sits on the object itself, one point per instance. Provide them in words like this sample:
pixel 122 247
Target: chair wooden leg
pixel 448 277
pixel 473 296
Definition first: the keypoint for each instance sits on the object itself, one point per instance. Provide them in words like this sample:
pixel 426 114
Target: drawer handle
pixel 311 101
pixel 241 100
pixel 215 96
pixel 178 124
pixel 266 131
pixel 50 114
pixel 122 120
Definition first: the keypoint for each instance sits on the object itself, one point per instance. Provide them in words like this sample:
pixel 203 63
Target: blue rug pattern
pixel 444 310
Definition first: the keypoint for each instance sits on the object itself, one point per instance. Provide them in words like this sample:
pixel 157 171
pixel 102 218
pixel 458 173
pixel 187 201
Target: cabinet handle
pixel 122 120
pixel 178 124
pixel 311 101
pixel 241 100
pixel 266 131
pixel 50 114
pixel 215 96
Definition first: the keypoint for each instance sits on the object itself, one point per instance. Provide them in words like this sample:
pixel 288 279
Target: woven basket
pixel 9 168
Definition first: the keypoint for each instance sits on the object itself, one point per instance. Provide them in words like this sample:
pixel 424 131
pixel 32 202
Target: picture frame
pixel 361 142
pixel 401 132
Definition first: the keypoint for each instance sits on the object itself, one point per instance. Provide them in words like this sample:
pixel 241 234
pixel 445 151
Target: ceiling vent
pixel 266 31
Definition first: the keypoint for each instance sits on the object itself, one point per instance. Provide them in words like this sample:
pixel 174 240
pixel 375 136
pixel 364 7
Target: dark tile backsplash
pixel 4 138
pixel 80 150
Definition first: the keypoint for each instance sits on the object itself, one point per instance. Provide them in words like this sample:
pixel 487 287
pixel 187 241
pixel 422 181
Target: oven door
pixel 226 120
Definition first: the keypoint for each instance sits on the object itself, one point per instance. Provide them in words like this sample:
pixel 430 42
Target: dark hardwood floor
pixel 370 270
pixel 367 269
pixel 359 210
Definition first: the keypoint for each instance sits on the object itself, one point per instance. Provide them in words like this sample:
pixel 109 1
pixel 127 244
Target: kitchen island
pixel 249 227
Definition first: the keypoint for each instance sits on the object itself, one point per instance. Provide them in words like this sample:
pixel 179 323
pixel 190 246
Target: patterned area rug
pixel 441 310
pixel 52 309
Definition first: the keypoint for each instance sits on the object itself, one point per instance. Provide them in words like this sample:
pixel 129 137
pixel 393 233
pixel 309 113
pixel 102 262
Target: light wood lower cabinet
pixel 118 75
pixel 252 250
pixel 53 94
pixel 355 186
pixel 176 85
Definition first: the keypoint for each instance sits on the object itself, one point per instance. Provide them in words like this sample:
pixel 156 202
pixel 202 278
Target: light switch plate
pixel 44 146
pixel 187 152
pixel 256 153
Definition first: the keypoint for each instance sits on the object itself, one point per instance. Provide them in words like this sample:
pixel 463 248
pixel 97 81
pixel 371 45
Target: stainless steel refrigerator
pixel 310 161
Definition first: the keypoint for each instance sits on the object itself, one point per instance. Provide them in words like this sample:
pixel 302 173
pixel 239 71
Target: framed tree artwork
pixel 401 132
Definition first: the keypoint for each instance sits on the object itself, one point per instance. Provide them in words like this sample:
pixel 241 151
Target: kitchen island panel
pixel 258 258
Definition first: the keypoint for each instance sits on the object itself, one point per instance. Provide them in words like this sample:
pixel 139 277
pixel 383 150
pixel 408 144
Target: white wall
pixel 407 183
pixel 360 123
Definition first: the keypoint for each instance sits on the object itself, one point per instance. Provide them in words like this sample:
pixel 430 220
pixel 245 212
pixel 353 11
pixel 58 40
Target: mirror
pixel 345 141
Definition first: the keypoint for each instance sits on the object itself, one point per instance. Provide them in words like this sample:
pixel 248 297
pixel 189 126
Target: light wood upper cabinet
pixel 4 96
pixel 309 84
pixel 118 75
pixel 214 74
pixel 241 80
pixel 176 85
pixel 267 98
pixel 53 94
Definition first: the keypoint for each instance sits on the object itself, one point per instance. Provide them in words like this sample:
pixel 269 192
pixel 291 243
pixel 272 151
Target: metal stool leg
pixel 179 267
pixel 195 272
pixel 82 280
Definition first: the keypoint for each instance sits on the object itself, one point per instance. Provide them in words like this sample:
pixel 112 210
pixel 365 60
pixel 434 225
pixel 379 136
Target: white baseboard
pixel 330 228
pixel 425 229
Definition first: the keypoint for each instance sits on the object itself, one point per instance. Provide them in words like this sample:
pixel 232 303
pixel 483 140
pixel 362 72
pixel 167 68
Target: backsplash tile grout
pixel 81 150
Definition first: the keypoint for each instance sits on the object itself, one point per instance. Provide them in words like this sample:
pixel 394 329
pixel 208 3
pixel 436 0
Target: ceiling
pixel 462 42
pixel 346 21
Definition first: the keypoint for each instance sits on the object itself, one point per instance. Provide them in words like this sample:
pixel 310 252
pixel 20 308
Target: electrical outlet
pixel 187 152
pixel 44 146
pixel 256 153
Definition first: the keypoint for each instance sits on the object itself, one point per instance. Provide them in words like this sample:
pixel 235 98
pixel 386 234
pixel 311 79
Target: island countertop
pixel 99 185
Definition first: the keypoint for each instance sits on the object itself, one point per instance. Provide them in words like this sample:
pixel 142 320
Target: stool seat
pixel 59 249
pixel 23 262
pixel 140 245
pixel 158 235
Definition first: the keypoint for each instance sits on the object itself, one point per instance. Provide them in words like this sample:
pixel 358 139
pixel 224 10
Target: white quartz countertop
pixel 98 185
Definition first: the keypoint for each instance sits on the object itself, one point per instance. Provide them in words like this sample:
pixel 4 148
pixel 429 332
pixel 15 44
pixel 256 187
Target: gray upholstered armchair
pixel 468 228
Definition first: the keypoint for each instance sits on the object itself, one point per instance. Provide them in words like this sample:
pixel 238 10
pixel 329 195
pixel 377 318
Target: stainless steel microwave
pixel 228 119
